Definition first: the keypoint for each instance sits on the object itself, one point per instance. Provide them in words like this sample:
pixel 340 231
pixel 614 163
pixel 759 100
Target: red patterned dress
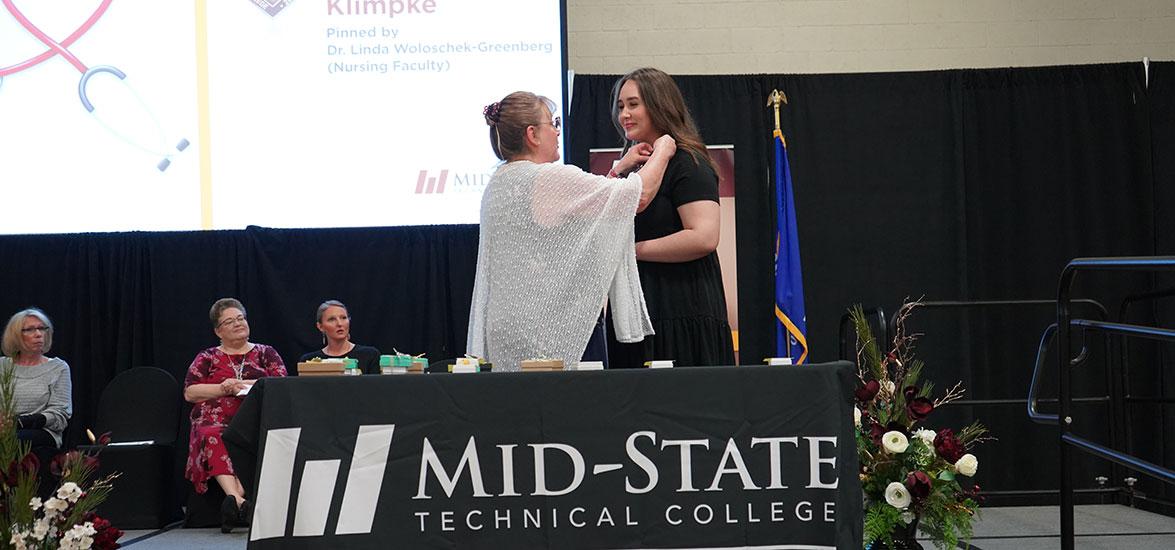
pixel 207 456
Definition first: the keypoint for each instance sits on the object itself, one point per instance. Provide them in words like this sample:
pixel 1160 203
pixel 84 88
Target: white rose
pixel 895 442
pixel 35 503
pixel 907 517
pixel 897 495
pixel 888 386
pixel 967 465
pixel 69 491
pixel 856 417
pixel 40 529
pixel 54 506
pixel 927 436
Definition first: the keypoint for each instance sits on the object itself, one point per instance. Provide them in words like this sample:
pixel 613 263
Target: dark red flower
pixel 948 446
pixel 30 464
pixel 918 408
pixel 27 466
pixel 919 484
pixel 57 466
pixel 106 536
pixel 876 430
pixel 867 392
pixel 972 493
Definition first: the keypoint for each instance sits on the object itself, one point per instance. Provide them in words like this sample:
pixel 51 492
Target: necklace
pixel 238 368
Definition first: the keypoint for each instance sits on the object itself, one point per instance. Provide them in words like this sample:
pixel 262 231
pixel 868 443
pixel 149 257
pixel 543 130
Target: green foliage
pixel 972 434
pixel 867 343
pixel 913 374
pixel 950 523
pixel 880 520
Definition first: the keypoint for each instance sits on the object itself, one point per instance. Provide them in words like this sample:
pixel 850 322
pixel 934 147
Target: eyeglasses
pixel 556 122
pixel 238 320
pixel 30 330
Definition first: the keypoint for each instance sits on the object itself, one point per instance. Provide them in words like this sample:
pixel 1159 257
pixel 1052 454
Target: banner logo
pixel 360 497
pixel 470 488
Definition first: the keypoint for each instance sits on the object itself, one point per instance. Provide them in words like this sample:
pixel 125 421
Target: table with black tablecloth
pixel 716 457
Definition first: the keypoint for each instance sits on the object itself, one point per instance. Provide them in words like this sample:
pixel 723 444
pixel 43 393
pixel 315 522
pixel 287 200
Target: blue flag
pixel 791 326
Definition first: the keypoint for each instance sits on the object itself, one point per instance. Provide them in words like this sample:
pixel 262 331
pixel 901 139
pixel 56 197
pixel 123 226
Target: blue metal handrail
pixel 1067 441
pixel 1041 352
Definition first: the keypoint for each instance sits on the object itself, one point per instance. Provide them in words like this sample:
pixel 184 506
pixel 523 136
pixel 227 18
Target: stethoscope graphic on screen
pixel 61 48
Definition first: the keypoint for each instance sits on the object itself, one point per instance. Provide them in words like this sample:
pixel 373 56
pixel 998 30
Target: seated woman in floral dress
pixel 215 377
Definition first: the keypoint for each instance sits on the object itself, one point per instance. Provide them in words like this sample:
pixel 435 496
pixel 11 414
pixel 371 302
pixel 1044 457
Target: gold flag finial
pixel 774 100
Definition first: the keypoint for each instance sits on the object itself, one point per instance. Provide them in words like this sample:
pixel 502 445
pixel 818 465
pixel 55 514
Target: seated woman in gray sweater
pixel 43 394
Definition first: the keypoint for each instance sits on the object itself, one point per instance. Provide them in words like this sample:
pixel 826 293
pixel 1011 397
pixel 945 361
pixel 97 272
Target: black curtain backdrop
pixel 1150 425
pixel 948 185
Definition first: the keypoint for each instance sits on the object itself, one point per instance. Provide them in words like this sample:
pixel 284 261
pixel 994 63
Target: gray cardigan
pixel 44 389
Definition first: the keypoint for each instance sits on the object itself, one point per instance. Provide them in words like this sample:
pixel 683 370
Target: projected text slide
pixel 304 113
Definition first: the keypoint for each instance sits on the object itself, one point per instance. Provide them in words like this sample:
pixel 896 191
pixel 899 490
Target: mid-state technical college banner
pixel 716 457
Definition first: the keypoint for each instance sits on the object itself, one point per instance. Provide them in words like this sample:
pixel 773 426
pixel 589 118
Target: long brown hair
pixel 667 111
pixel 509 118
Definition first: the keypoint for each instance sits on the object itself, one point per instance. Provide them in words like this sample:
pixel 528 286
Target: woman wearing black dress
pixel 335 325
pixel 677 234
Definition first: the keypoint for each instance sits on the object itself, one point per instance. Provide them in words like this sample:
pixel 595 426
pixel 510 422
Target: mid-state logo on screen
pixel 272 7
pixel 437 182
pixel 428 185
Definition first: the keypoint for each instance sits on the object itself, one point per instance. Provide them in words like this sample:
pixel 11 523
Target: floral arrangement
pixel 66 519
pixel 913 477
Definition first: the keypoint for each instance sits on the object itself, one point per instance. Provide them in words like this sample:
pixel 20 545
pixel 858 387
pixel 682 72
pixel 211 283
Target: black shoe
pixel 245 514
pixel 228 514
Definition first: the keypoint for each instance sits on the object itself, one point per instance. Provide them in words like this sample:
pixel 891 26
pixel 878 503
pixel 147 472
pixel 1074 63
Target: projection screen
pixel 218 114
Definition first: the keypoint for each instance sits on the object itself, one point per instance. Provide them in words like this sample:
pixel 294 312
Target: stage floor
pixel 1099 527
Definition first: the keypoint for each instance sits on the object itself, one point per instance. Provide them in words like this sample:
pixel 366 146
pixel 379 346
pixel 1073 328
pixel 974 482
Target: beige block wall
pixel 835 36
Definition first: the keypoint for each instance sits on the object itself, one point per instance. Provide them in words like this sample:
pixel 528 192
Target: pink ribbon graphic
pixel 55 48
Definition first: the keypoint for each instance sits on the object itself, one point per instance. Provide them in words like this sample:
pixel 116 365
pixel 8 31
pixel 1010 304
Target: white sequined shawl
pixel 555 242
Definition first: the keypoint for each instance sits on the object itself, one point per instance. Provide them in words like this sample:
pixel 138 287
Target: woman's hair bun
pixel 493 113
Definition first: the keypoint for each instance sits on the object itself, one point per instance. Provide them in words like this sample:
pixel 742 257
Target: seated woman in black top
pixel 335 325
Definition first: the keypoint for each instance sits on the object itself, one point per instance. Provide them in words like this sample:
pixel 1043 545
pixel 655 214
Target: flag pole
pixel 791 327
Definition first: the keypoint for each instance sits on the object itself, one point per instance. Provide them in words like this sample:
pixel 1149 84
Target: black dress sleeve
pixel 693 180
